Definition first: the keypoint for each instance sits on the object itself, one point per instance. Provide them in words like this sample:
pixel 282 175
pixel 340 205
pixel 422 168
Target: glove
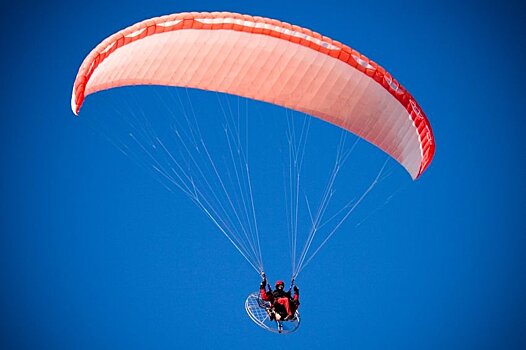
pixel 264 281
pixel 296 290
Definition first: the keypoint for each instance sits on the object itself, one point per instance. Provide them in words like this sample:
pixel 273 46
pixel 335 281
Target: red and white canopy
pixel 270 61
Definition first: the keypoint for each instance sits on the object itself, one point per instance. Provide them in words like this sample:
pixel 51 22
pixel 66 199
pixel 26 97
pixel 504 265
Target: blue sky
pixel 95 254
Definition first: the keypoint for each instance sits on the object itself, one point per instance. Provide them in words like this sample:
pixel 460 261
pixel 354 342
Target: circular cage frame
pixel 257 310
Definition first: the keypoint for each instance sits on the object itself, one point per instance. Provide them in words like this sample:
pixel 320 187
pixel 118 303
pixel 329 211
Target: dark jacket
pixel 272 295
pixel 276 294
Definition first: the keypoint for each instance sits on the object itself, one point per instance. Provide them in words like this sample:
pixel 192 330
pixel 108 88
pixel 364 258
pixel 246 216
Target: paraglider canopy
pixel 267 60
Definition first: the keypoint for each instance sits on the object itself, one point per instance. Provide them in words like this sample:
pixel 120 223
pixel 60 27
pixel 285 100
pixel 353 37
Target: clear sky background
pixel 95 254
